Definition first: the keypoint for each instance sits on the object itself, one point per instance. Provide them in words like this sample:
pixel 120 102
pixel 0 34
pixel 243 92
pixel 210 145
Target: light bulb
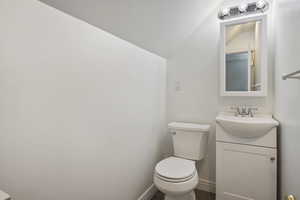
pixel 261 4
pixel 225 11
pixel 243 7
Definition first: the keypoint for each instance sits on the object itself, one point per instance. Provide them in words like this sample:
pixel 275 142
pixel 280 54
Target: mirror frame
pixel 264 55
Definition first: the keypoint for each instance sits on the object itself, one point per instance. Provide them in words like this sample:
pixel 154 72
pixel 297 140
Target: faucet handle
pixel 251 109
pixel 236 110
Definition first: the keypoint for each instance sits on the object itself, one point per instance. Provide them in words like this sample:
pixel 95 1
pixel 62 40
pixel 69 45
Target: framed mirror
pixel 243 57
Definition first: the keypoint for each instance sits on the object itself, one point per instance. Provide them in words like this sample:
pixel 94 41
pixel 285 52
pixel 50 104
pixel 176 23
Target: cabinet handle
pixel 272 159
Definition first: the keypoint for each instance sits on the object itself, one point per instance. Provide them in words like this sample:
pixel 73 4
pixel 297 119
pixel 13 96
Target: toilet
pixel 177 176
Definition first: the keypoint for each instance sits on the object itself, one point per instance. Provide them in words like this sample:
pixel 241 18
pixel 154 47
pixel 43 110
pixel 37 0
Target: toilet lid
pixel 175 168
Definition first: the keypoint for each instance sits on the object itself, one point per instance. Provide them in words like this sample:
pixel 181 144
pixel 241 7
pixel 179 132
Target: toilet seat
pixel 174 169
pixel 174 180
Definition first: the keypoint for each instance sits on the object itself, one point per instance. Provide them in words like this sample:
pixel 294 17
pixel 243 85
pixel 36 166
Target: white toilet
pixel 177 176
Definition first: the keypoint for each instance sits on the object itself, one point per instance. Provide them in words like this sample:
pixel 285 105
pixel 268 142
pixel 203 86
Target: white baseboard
pixel 206 185
pixel 149 193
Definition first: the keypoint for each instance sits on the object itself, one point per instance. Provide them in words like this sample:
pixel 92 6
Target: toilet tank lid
pixel 188 126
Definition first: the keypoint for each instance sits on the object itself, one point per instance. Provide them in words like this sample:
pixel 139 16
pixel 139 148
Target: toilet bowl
pixel 176 178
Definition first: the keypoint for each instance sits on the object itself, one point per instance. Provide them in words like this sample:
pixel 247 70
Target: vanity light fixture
pixel 259 6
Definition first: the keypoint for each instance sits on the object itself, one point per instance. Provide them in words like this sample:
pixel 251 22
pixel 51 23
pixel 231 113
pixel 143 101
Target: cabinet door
pixel 245 172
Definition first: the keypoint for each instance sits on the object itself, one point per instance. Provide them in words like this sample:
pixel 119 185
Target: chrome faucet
pixel 244 111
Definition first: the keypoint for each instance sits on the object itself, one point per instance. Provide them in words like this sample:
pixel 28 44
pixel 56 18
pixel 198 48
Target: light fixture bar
pixel 243 9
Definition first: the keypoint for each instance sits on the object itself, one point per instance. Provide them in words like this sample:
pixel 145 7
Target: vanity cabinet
pixel 245 172
pixel 246 168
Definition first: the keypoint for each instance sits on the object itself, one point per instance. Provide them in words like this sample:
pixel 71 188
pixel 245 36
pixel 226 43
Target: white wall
pixel 287 94
pixel 81 111
pixel 193 85
pixel 195 68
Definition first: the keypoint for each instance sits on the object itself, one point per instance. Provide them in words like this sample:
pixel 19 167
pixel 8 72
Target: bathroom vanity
pixel 246 157
pixel 246 143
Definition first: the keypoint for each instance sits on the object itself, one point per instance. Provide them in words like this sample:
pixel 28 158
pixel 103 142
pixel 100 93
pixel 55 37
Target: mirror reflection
pixel 243 64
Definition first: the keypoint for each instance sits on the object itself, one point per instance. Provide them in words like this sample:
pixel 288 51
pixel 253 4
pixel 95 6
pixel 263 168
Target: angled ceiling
pixel 158 26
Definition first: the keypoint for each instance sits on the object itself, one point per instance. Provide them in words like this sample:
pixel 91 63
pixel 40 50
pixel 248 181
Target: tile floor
pixel 200 195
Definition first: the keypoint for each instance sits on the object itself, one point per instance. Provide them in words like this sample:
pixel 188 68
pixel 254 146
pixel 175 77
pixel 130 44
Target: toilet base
pixel 188 196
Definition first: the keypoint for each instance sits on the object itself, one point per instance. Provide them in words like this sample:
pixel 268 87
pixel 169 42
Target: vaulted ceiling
pixel 158 26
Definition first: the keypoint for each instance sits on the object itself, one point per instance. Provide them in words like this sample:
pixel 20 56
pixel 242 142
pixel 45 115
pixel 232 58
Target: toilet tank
pixel 189 139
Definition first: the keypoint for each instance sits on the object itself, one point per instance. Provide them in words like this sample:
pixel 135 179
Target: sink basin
pixel 246 127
